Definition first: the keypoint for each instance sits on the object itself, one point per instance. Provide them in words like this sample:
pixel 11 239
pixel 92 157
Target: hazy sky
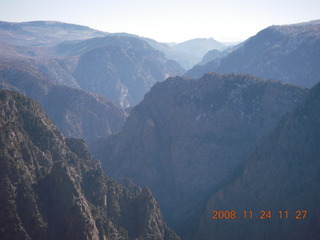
pixel 164 20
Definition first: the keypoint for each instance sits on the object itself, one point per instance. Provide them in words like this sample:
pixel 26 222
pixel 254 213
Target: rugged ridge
pixel 288 53
pixel 281 174
pixel 51 189
pixel 187 138
pixel 121 68
pixel 39 35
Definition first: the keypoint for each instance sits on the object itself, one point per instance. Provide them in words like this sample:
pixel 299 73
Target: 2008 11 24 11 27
pixel 263 214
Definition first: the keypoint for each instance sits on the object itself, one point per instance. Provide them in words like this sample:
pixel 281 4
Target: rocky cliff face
pixel 121 68
pixel 81 114
pixel 187 138
pixel 281 174
pixel 287 53
pixel 51 189
pixel 76 113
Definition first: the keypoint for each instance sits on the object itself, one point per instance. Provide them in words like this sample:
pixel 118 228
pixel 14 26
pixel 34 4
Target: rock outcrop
pixel 50 188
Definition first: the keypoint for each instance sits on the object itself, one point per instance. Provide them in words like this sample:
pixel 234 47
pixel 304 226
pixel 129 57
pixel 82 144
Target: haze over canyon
pixel 117 136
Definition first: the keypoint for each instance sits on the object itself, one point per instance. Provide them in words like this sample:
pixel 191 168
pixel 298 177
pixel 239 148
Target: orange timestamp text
pixel 263 214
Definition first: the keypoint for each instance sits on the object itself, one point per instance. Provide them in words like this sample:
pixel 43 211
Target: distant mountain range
pixel 122 68
pixel 199 47
pixel 44 33
pixel 50 33
pixel 188 138
pixel 288 53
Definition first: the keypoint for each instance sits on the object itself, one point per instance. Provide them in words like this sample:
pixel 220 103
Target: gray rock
pixel 188 137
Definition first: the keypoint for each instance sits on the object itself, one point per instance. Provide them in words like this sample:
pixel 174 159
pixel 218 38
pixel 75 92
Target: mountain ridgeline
pixel 50 188
pixel 44 33
pixel 188 138
pixel 289 53
pixel 190 53
pixel 199 47
pixel 120 67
